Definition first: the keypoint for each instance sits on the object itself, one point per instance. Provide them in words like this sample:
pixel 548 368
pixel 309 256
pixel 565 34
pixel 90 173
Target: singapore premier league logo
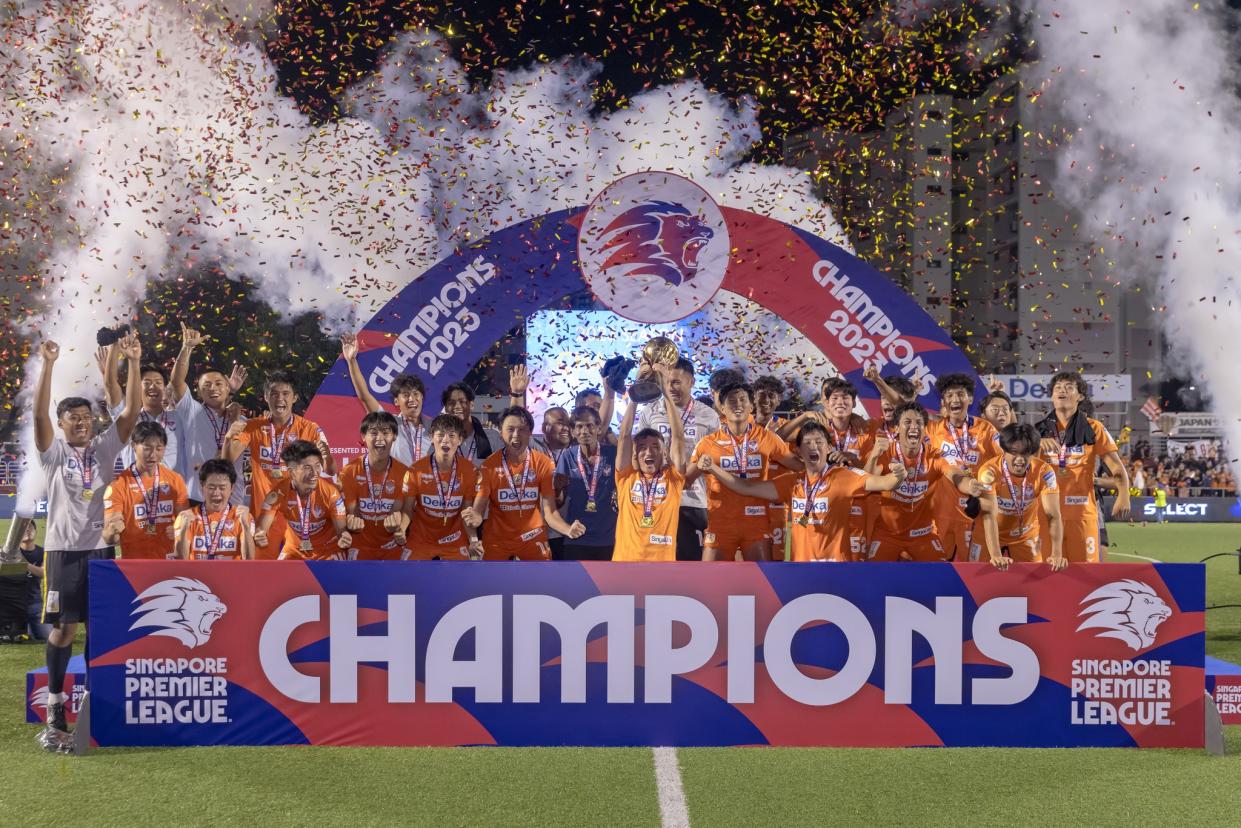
pixel 653 247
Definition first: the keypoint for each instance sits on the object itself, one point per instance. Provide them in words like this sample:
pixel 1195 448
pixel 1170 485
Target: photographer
pixel 21 595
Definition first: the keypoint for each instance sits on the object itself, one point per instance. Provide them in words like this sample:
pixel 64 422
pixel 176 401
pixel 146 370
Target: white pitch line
pixel 672 810
pixel 1110 553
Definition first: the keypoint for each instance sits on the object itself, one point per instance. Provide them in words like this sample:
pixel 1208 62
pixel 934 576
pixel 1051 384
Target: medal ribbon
pixel 86 462
pixel 811 491
pixel 1018 492
pixel 277 446
pixel 1063 451
pixel 303 514
pixel 592 482
pixel 517 490
pixel 452 481
pixel 212 535
pixel 219 429
pixel 413 436
pixel 741 452
pixel 962 442
pixel 150 501
pixel 648 494
pixel 370 486
pixel 842 445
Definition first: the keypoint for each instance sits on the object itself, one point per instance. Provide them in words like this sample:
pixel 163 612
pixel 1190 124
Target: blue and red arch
pixel 443 322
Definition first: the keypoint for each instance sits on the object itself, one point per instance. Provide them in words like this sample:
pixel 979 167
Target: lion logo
pixel 181 608
pixel 658 239
pixel 38 698
pixel 1128 610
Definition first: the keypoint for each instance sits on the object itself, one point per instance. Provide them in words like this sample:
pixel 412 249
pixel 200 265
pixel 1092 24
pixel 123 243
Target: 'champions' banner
pixel 647 262
pixel 354 653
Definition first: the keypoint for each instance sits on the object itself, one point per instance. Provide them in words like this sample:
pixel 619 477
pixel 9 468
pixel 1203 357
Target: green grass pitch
pixel 584 787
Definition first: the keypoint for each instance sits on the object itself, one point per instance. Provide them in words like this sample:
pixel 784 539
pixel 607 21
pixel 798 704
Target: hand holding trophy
pixel 659 350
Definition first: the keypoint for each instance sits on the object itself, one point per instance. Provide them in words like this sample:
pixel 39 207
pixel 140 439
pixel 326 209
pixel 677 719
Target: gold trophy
pixel 660 350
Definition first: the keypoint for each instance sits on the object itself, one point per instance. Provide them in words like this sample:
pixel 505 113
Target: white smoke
pixel 169 145
pixel 1149 95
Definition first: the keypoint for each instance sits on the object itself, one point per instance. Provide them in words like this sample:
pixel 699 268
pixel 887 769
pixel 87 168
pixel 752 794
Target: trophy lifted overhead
pixel 659 350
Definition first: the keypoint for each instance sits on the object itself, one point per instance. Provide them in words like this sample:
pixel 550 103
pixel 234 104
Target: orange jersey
pixel 125 497
pixel 374 501
pixel 515 516
pixel 323 506
pixel 435 526
pixel 821 523
pixel 1018 513
pixel 906 511
pixel 218 537
pixel 265 443
pixel 970 446
pixel 1076 477
pixel 747 456
pixel 658 541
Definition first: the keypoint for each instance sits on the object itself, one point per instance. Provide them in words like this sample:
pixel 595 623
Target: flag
pixel 1151 409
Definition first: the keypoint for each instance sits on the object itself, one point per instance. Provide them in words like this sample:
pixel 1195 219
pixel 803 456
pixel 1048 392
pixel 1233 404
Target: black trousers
pixel 690 526
pixel 581 552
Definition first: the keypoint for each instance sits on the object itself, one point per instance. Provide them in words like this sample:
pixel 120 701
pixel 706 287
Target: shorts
pixel 325 552
pixel 891 548
pixel 1081 539
pixel 691 523
pixel 1025 550
pixel 731 539
pixel 777 528
pixel 956 536
pixel 65 582
pixel 456 551
pixel 395 552
pixel 527 551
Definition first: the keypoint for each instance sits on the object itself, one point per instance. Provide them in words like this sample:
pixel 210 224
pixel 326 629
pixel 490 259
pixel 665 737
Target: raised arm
pixel 790 428
pixel 606 411
pixel 190 339
pixel 131 349
pixel 624 440
pixel 349 350
pixel 887 392
pixel 676 432
pixel 43 431
pixel 233 444
pixel 112 393
pixel 518 382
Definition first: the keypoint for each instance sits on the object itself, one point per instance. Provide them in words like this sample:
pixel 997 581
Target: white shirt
pixel 702 421
pixel 173 427
pixel 406 434
pixel 73 523
pixel 199 444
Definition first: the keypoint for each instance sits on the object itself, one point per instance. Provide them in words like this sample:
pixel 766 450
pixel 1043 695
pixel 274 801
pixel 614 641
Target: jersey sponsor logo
pixel 228 543
pixel 912 489
pixel 856 511
pixel 1127 610
pixel 661 492
pixel 434 501
pixel 923 532
pixel 660 540
pixel 527 497
pixel 182 608
pixel 455 536
pixel 753 462
pixel 382 506
pixel 314 527
pixel 756 511
pixel 163 508
pixel 820 506
pixel 532 534
pixel 1076 500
